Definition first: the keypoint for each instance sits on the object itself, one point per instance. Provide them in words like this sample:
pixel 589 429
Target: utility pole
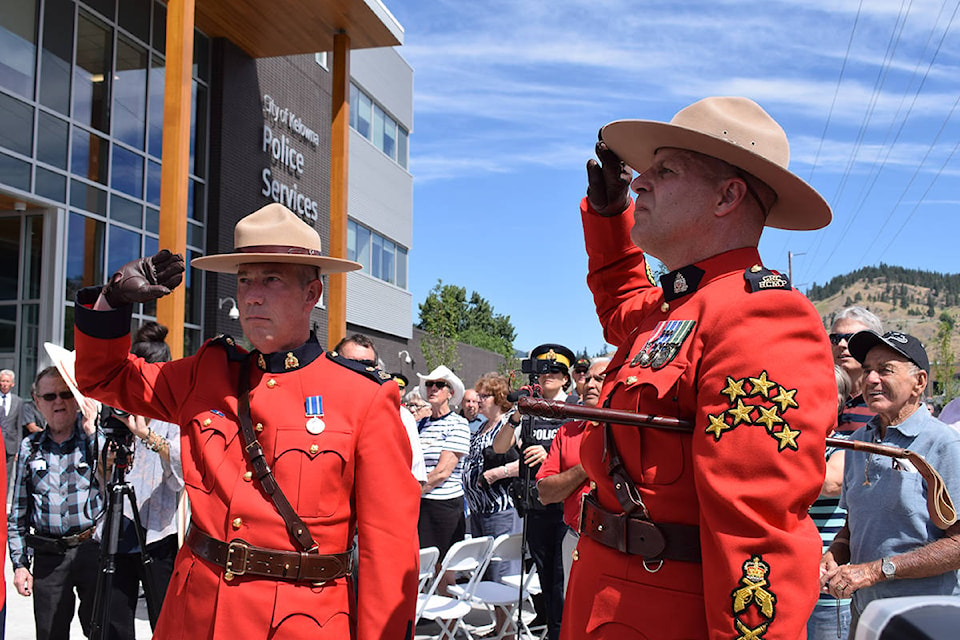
pixel 790 255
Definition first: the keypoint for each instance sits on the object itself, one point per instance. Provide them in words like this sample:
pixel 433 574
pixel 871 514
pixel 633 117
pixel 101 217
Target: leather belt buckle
pixel 236 566
pixel 645 538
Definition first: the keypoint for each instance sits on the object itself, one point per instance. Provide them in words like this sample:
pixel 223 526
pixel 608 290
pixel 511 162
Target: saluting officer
pixel 287 451
pixel 701 534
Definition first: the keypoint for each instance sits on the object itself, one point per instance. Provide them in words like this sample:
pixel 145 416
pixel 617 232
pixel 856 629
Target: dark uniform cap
pixel 903 343
pixel 561 357
pixel 582 364
pixel 401 379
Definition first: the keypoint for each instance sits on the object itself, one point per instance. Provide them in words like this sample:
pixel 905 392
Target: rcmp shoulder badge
pixel 760 278
pixel 371 373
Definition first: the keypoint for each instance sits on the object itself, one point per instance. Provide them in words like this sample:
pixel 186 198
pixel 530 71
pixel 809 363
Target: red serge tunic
pixel 354 476
pixel 730 347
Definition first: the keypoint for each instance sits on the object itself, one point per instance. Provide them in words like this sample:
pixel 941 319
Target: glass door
pixel 21 253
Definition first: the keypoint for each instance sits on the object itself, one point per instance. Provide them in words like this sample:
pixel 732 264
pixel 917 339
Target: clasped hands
pixel 840 581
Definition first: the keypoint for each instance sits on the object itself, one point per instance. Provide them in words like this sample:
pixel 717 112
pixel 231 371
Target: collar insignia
pixel 290 362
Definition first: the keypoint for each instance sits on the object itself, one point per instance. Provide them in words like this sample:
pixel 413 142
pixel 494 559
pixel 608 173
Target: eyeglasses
pixel 63 395
pixel 837 338
pixel 440 384
pixel 414 407
pixel 484 396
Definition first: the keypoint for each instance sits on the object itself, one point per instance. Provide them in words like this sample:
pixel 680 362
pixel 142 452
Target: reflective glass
pixel 363 248
pixel 389 136
pixel 198 132
pixel 193 298
pixel 125 211
pixel 127 174
pixel 50 184
pixel 401 267
pixel 130 93
pixel 14 172
pixel 29 339
pixel 33 257
pixel 105 7
pixel 196 202
pixel 9 258
pixel 85 242
pixel 153 182
pixel 351 240
pixel 402 147
pixel 363 115
pixel 8 328
pixel 16 125
pixel 155 126
pixel 88 197
pixel 389 250
pixel 88 157
pixel 68 327
pixel 123 246
pixel 194 234
pixel 354 104
pixel 376 264
pixel 153 221
pixel 201 56
pixel 378 116
pixel 134 16
pixel 56 55
pixel 159 27
pixel 18 45
pixel 52 140
pixel 91 75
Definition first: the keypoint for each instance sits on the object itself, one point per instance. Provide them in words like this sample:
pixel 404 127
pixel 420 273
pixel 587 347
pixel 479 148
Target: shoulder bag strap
pixel 254 453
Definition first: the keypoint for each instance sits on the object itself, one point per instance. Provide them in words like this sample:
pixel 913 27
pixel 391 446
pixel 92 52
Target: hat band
pixel 278 248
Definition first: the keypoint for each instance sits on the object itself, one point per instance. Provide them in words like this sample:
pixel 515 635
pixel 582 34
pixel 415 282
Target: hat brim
pixel 456 385
pixel 798 207
pixel 230 262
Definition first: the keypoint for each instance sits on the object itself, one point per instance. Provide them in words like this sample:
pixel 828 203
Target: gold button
pixel 259 426
pixel 599 527
pixel 237 523
pixel 271 383
pixel 228 576
pixel 314 448
pixel 593 485
pixel 755 268
pixel 618 486
pixel 575 555
pixel 631 380
pixel 248 476
pixel 665 307
pixel 207 422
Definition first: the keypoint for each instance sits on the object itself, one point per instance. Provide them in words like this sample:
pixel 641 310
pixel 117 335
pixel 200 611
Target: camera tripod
pixel 117 489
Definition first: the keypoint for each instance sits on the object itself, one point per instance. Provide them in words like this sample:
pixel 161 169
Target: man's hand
pixel 90 409
pixel 608 185
pixel 144 279
pixel 23 581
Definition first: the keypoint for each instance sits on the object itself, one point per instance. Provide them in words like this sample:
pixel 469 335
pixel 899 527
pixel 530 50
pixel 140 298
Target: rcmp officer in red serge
pixel 723 343
pixel 322 430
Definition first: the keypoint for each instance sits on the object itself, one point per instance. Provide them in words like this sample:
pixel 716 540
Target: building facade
pixel 81 124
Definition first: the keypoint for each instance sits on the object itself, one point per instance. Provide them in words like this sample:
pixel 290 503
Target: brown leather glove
pixel 608 186
pixel 145 279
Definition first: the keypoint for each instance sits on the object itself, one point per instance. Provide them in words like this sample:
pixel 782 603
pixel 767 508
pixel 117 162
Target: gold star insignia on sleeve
pixel 741 413
pixel 734 389
pixel 769 417
pixel 717 426
pixel 787 438
pixel 761 385
pixel 785 398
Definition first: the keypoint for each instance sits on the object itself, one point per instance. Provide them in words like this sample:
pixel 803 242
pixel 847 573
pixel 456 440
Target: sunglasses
pixel 440 384
pixel 63 395
pixel 837 338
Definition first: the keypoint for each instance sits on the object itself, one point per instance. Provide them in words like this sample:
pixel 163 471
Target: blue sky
pixel 508 98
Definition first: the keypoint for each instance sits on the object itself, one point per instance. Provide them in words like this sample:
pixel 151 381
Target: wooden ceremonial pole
pixel 174 181
pixel 339 161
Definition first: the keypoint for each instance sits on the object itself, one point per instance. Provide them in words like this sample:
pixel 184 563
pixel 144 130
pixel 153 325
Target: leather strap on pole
pixel 254 453
pixel 939 504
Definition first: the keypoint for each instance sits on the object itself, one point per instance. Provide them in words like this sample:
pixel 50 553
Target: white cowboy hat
pixel 274 234
pixel 738 131
pixel 443 373
pixel 65 362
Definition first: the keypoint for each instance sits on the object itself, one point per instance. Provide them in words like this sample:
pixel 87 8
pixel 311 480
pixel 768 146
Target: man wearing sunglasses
pixel 847 322
pixel 56 503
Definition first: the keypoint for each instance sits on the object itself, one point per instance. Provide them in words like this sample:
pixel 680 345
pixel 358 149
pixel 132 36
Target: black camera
pixel 112 423
pixel 538 367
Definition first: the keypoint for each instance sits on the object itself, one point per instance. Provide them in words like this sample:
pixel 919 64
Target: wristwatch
pixel 888 568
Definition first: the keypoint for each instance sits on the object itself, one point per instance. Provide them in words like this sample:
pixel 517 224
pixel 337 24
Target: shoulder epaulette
pixel 760 278
pixel 377 375
pixel 234 353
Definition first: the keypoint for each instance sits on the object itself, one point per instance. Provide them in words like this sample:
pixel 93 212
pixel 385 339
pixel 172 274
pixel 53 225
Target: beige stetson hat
pixel 738 131
pixel 274 234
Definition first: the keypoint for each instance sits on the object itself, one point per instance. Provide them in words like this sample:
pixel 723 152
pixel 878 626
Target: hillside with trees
pixel 922 303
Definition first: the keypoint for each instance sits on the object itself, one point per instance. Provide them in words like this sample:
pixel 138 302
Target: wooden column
pixel 339 161
pixel 174 181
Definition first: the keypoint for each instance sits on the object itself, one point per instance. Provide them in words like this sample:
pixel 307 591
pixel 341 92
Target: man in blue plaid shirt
pixel 56 502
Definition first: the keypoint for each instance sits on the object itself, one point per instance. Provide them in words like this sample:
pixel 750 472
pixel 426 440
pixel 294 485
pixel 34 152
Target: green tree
pixel 943 369
pixel 449 317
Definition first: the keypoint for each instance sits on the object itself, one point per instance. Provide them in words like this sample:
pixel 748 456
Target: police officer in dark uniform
pixel 544 523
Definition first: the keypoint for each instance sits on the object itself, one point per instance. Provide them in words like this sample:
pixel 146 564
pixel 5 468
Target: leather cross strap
pixel 254 452
pixel 239 558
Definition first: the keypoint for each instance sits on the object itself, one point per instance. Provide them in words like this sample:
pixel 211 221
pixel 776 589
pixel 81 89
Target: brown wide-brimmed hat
pixel 738 131
pixel 274 234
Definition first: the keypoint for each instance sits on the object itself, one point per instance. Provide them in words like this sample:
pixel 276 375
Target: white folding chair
pixel 428 565
pixel 494 595
pixel 468 557
pixel 531 587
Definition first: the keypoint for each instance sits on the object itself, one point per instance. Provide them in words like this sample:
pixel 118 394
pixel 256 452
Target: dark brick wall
pixel 237 117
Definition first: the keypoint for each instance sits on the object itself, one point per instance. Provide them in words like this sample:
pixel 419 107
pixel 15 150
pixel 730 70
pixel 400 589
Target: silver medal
pixel 315 426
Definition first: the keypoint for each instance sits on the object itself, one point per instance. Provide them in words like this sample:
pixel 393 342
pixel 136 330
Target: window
pixel 381 257
pixel 321 59
pixel 377 126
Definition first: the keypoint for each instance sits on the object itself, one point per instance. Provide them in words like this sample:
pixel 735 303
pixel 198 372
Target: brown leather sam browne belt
pixel 635 536
pixel 239 558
